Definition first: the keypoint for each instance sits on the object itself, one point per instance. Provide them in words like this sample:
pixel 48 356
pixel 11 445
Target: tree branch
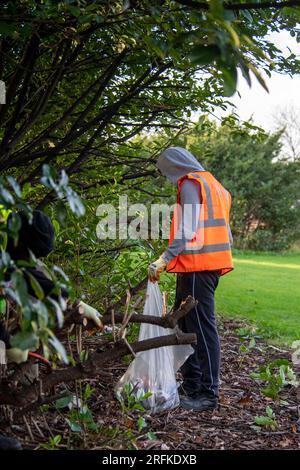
pixel 91 368
pixel 242 6
pixel 169 321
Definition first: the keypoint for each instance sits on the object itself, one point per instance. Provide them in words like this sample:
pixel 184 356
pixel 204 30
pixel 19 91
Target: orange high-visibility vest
pixel 214 250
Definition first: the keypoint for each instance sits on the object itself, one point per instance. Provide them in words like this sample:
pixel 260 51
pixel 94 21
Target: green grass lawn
pixel 264 288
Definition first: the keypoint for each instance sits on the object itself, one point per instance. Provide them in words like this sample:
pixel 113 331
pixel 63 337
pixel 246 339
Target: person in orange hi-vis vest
pixel 199 251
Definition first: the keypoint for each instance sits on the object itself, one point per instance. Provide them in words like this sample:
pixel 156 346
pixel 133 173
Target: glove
pixel 17 355
pixel 91 314
pixel 156 268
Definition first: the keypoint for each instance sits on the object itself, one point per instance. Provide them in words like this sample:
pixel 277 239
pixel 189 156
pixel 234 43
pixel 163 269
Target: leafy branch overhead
pixel 83 79
pixel 94 92
pixel 240 6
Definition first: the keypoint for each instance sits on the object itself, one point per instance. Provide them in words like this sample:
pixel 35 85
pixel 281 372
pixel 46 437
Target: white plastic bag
pixel 154 370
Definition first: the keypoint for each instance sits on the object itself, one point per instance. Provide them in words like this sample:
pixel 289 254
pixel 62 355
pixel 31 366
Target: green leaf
pixel 139 407
pixel 24 340
pixel 7 29
pixel 15 186
pixel 56 439
pixel 20 287
pixel 59 348
pixel 75 427
pixel 205 55
pixel 36 287
pixel 278 363
pixel 245 71
pixel 270 412
pixel 42 311
pixel 270 391
pixel 86 19
pixel 247 15
pixel 229 76
pixel 261 420
pixel 216 8
pixel 63 402
pixel 258 76
pixel 58 311
pixel 151 436
pixel 61 213
pixel 6 197
pixel 141 423
pixel 75 203
pixel 75 11
pixel 56 226
pixel 14 224
pixel 88 391
pixel 233 34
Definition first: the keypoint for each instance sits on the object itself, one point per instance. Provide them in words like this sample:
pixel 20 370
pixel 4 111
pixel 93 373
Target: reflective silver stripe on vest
pixel 208 249
pixel 213 223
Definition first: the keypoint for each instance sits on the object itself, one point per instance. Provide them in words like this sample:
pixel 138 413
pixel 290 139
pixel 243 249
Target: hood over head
pixel 175 162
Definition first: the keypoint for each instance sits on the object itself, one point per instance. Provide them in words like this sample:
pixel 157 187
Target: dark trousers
pixel 201 370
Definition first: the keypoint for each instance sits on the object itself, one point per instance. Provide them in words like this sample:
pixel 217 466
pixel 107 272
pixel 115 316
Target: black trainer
pixel 185 392
pixel 9 443
pixel 201 402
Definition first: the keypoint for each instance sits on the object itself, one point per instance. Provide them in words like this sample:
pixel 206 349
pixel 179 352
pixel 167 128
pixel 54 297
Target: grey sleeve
pixel 230 235
pixel 191 199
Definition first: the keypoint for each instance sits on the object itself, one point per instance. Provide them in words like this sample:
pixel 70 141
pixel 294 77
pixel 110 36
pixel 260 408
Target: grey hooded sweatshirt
pixel 174 163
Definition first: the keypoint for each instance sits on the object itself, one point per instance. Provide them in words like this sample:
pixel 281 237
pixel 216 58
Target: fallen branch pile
pixel 33 395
